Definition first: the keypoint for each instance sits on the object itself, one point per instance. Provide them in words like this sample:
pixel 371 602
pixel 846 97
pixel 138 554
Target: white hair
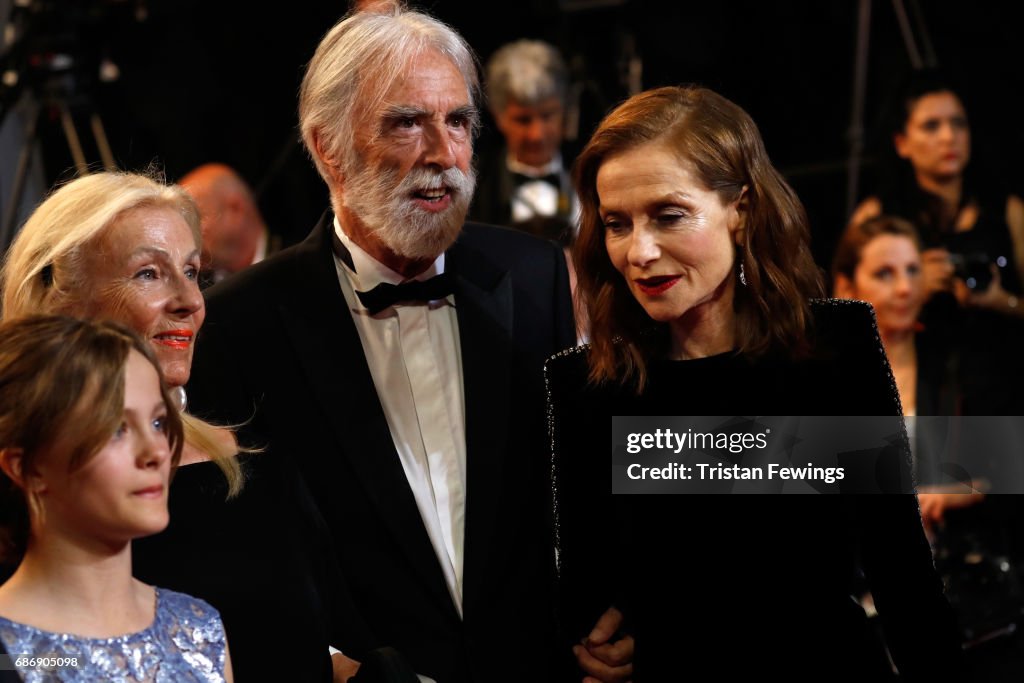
pixel 527 71
pixel 355 66
pixel 45 270
pixel 378 197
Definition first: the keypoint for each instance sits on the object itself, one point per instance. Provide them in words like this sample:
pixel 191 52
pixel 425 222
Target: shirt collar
pixel 553 166
pixel 261 248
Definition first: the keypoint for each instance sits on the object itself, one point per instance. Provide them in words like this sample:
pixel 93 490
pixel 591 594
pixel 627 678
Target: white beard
pixel 385 205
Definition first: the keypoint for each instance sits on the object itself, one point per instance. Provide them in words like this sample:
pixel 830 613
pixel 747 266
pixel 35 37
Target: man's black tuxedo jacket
pixel 280 355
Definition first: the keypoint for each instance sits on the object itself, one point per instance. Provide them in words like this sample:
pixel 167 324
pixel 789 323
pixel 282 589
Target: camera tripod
pixel 52 59
pixel 37 112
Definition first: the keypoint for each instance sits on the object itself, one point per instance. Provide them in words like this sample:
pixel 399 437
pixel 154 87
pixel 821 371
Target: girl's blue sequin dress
pixel 184 644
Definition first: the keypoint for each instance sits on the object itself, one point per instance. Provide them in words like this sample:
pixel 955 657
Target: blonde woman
pixel 122 247
pixel 126 247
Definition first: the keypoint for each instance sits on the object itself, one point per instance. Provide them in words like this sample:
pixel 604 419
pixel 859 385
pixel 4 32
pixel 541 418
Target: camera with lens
pixel 975 268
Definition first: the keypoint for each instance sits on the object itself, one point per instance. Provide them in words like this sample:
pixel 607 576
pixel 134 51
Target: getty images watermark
pixel 830 455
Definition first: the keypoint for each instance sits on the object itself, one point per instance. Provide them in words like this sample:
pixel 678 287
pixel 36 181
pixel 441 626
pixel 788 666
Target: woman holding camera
pixel 955 216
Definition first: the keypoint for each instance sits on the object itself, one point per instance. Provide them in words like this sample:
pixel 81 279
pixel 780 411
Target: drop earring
pixel 179 394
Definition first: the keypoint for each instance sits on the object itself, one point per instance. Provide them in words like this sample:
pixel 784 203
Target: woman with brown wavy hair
pixel 695 272
pixel 772 309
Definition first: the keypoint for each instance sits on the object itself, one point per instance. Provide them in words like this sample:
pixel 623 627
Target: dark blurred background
pixel 216 80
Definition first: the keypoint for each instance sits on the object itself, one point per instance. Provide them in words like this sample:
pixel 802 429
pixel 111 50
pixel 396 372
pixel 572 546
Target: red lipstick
pixel 176 339
pixel 653 286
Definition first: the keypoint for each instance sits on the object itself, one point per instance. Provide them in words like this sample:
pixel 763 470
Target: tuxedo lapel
pixel 483 303
pixel 320 327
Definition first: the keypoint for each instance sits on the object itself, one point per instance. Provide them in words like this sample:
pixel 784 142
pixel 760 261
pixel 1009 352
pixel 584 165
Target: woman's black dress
pixel 738 585
pixel 264 559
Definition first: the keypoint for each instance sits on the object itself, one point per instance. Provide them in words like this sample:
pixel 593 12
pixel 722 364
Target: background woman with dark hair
pixel 972 232
pixel 88 437
pixel 696 275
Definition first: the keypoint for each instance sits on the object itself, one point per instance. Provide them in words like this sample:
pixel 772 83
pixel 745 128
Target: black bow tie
pixel 385 294
pixel 551 179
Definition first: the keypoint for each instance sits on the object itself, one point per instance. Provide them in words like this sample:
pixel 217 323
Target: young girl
pixel 126 247
pixel 88 439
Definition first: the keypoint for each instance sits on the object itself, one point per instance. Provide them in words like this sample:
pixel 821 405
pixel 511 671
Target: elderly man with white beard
pixel 396 355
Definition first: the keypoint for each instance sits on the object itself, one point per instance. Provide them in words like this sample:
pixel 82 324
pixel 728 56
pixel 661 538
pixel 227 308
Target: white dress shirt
pixel 261 249
pixel 539 197
pixel 415 360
